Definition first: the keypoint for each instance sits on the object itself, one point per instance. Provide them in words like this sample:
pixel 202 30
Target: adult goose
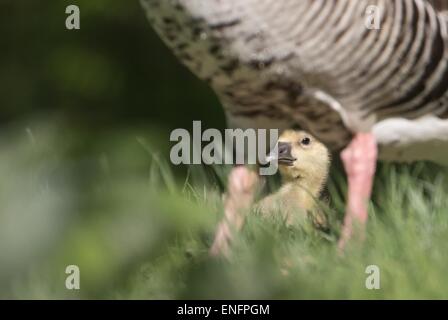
pixel 322 65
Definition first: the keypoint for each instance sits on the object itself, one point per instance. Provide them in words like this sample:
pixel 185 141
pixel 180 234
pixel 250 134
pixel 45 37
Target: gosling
pixel 304 164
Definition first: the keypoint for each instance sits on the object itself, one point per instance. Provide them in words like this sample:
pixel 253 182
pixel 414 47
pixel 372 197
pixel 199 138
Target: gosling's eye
pixel 305 141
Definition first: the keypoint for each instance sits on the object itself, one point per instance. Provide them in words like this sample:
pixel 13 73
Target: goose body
pixel 405 140
pixel 314 64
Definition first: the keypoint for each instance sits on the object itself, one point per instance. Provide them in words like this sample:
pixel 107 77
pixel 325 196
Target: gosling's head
pixel 302 157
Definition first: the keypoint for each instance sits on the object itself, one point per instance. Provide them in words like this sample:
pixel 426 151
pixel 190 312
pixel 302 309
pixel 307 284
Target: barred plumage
pixel 314 63
pixel 440 5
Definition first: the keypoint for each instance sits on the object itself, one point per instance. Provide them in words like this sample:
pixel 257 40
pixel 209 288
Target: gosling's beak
pixel 282 154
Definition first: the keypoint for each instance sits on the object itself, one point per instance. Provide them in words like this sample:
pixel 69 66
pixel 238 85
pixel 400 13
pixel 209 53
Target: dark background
pixel 114 71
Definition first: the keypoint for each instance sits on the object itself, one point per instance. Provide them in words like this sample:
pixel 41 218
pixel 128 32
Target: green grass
pixel 139 229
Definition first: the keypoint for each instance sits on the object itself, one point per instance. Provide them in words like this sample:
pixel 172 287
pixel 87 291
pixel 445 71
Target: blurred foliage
pixel 137 231
pixel 112 72
pixel 84 124
pixel 83 113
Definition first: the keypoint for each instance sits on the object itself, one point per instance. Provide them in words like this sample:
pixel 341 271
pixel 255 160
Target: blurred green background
pixel 112 72
pixel 84 138
pixel 83 115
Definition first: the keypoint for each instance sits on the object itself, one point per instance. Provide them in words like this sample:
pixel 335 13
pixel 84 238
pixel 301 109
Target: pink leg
pixel 359 160
pixel 242 187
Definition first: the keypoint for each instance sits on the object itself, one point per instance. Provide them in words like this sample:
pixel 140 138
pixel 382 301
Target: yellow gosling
pixel 304 164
